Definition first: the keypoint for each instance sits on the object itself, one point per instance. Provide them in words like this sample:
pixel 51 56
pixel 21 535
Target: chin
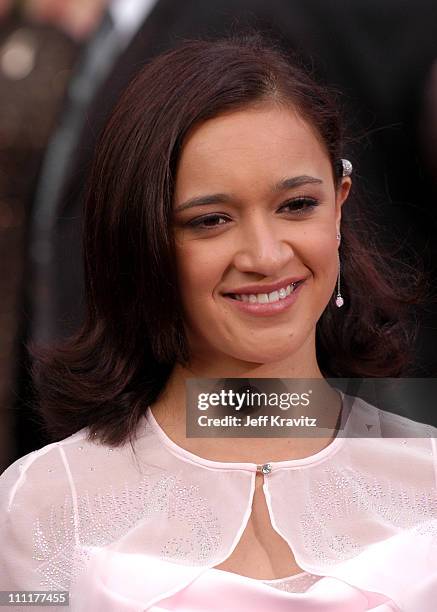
pixel 263 354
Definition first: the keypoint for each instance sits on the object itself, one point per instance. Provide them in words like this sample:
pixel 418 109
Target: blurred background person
pixel 5 7
pixel 377 54
pixel 35 64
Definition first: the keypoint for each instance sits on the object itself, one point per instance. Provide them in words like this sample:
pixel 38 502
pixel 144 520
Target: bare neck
pixel 170 413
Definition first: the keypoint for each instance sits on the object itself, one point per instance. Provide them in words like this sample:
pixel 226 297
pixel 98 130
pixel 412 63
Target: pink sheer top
pixel 145 530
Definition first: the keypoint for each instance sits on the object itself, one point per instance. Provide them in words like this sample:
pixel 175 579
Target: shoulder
pixel 395 442
pixel 39 471
pixel 63 469
pixel 387 424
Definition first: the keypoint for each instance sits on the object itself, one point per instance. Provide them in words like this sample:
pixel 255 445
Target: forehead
pixel 250 146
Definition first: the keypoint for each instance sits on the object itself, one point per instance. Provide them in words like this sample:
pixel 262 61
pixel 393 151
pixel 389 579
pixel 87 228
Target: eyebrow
pixel 223 198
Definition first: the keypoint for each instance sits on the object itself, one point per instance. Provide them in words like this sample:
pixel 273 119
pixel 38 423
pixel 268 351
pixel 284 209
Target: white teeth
pixel 264 298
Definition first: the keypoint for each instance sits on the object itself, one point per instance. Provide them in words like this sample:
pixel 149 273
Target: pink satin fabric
pixel 216 591
pixel 122 583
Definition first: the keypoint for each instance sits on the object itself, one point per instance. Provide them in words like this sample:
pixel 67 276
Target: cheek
pixel 325 254
pixel 327 275
pixel 319 247
pixel 198 271
pixel 321 257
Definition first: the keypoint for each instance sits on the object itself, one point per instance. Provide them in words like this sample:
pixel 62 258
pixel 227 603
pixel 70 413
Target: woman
pixel 214 233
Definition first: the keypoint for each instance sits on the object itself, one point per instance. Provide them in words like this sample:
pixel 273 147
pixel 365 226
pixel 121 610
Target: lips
pixel 267 293
pixel 259 288
pixel 266 298
pixel 269 305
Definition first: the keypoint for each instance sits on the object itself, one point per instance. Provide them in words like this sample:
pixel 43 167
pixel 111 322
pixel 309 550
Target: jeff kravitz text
pixel 260 421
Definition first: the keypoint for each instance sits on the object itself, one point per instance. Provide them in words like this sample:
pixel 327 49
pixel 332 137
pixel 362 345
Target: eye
pixel 208 222
pixel 300 205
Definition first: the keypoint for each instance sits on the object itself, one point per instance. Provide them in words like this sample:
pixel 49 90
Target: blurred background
pixel 63 64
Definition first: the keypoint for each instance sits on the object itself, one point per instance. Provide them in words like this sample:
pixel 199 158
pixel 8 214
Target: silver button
pixel 266 468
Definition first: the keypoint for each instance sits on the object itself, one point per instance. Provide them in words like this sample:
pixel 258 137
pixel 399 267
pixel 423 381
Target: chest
pixel 261 552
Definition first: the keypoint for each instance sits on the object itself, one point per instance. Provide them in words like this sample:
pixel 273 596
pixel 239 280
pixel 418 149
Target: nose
pixel 262 248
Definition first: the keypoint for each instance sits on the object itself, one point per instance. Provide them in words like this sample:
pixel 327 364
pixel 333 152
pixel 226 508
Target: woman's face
pixel 256 215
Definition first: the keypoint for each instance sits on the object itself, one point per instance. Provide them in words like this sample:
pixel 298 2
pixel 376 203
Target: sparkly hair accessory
pixel 346 167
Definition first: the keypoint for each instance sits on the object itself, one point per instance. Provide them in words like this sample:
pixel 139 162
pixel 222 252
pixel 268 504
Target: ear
pixel 341 195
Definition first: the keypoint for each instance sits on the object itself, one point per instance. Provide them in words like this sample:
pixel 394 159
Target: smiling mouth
pixel 266 298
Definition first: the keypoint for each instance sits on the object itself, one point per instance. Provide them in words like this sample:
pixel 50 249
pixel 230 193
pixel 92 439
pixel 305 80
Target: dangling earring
pixel 339 301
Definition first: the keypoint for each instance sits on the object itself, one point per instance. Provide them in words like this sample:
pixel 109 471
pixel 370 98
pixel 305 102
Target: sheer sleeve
pixel 36 530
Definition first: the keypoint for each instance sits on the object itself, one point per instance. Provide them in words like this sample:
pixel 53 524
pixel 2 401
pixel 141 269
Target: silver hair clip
pixel 346 167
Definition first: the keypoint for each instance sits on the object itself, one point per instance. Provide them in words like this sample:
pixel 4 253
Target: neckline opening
pixel 308 461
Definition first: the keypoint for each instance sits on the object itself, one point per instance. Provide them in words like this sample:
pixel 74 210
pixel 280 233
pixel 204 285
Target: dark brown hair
pixel 120 360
